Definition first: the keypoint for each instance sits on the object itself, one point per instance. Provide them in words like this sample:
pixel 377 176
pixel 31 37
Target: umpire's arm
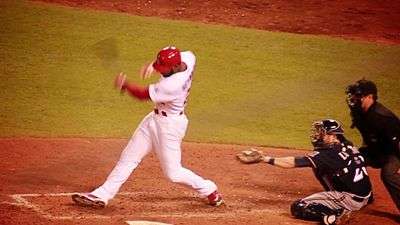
pixel 288 162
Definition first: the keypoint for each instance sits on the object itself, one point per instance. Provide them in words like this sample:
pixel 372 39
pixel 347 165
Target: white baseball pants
pixel 164 135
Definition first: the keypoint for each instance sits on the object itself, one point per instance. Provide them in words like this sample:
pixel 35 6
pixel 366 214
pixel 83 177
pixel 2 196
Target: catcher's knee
pixel 297 208
pixel 310 211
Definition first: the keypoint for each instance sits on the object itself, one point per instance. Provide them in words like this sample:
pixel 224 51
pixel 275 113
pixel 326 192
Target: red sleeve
pixel 141 93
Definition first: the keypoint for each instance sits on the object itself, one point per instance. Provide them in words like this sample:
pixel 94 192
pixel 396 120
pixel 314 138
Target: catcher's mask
pixel 323 127
pixel 167 59
pixel 358 90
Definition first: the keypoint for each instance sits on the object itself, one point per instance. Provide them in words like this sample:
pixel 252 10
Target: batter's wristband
pixel 271 161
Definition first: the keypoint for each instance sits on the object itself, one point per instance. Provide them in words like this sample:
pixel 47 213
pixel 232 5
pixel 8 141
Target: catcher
pixel 337 165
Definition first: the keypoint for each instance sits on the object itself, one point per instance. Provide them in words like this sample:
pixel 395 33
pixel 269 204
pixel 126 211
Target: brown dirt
pixel 255 194
pixel 367 20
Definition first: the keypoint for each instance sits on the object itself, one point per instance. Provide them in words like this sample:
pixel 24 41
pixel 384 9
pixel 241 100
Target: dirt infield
pixel 39 175
pixel 367 20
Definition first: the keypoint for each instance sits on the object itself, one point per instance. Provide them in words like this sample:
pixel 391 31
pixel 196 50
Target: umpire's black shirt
pixel 380 130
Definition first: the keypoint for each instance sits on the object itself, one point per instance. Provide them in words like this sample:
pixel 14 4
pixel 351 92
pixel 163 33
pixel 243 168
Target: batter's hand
pixel 120 81
pixel 147 70
pixel 250 156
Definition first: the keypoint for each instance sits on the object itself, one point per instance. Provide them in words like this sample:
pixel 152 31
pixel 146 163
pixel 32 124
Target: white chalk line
pixel 142 222
pixel 69 194
pixel 20 200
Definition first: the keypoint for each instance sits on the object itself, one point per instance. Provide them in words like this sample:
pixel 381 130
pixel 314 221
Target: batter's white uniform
pixel 161 130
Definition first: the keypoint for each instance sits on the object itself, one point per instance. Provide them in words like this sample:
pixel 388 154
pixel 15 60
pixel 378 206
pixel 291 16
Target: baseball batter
pixel 162 130
pixel 337 165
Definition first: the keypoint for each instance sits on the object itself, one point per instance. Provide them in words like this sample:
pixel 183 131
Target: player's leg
pixel 137 148
pixel 390 175
pixel 168 149
pixel 311 211
pixel 326 206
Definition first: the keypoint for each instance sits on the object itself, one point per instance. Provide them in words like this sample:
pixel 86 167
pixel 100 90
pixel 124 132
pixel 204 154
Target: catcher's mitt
pixel 250 156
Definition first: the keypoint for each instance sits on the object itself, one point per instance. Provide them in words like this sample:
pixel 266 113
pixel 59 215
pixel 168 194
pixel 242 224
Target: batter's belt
pixel 160 112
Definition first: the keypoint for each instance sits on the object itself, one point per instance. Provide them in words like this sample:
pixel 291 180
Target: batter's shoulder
pixel 189 58
pixel 188 55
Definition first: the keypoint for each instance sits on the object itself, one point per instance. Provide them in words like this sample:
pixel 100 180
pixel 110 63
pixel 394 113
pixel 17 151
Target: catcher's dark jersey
pixel 341 168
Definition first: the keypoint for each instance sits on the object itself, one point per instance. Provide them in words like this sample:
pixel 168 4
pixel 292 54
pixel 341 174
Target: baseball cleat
pixel 88 200
pixel 329 219
pixel 215 199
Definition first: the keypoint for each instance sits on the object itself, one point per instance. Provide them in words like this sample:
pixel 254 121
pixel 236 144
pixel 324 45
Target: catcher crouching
pixel 337 165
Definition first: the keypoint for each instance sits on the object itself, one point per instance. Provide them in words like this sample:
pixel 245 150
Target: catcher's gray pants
pixel 338 201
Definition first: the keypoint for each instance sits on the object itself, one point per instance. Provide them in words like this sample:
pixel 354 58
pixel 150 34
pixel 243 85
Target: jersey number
pixel 344 155
pixel 359 175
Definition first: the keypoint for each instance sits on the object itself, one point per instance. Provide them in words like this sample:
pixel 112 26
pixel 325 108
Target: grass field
pixel 251 87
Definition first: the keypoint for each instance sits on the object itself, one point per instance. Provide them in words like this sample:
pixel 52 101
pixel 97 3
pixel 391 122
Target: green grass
pixel 250 87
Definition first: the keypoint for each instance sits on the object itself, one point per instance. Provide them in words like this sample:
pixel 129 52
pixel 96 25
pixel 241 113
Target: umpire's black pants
pixel 390 175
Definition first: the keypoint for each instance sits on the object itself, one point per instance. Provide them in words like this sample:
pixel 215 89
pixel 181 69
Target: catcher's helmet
pixel 167 58
pixel 321 128
pixel 358 90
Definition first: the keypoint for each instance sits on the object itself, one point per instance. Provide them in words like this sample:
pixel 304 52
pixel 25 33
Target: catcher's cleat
pixel 215 199
pixel 89 200
pixel 329 219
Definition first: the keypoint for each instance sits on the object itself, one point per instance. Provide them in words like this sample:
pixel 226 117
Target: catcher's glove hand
pixel 250 156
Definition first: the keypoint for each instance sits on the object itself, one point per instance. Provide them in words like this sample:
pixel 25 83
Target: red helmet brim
pixel 161 68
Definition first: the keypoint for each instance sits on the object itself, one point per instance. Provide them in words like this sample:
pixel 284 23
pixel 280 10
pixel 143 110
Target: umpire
pixel 380 131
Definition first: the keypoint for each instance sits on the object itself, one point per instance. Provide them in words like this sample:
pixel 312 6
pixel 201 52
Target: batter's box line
pixel 20 200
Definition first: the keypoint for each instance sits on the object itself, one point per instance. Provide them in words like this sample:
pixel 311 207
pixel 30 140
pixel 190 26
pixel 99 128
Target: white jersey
pixel 170 93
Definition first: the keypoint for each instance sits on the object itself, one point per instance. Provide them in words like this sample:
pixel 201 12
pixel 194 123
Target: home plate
pixel 140 222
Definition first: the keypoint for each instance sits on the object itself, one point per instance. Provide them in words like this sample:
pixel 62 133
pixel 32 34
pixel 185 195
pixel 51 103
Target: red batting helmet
pixel 167 58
